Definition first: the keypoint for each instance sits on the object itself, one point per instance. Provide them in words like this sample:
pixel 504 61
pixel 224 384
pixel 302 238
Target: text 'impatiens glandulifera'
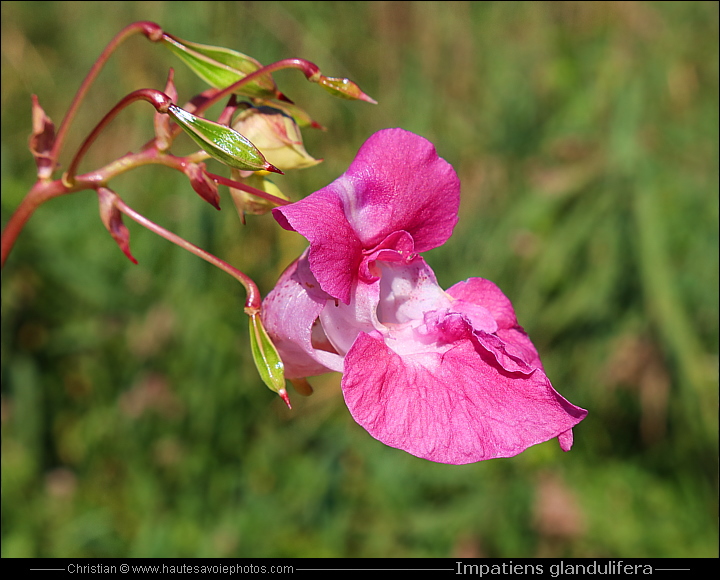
pixel 446 375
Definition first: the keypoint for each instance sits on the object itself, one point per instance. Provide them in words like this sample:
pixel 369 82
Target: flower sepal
pixel 112 219
pixel 202 184
pixel 42 140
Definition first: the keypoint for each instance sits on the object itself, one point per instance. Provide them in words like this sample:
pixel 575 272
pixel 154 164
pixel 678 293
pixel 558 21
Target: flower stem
pixel 39 194
pixel 253 301
pixel 149 29
pixel 253 190
pixel 158 99
pixel 42 191
pixel 308 68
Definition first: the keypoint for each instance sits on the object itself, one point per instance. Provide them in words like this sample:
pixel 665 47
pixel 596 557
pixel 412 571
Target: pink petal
pixel 335 251
pixel 290 315
pixel 454 406
pixel 396 183
pixel 486 294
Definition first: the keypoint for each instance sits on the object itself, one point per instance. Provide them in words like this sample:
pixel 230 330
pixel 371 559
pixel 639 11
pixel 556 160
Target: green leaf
pixel 221 67
pixel 267 359
pixel 221 142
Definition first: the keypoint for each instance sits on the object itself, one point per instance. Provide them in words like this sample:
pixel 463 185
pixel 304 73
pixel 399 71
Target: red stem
pixel 253 301
pixel 158 99
pixel 45 190
pixel 39 194
pixel 253 190
pixel 149 29
pixel 308 68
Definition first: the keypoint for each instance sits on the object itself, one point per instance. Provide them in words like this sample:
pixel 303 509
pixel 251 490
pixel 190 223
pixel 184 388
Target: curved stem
pixel 39 194
pixel 311 71
pixel 158 99
pixel 253 190
pixel 149 29
pixel 253 301
pixel 42 191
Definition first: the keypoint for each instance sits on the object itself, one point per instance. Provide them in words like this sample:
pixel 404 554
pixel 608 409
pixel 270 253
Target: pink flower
pixel 448 376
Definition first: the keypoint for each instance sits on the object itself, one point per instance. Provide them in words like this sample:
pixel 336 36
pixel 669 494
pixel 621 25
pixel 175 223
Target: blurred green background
pixel 585 135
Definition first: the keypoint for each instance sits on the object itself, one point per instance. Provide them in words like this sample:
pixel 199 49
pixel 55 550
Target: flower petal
pixel 290 315
pixel 486 294
pixel 396 183
pixel 335 250
pixel 452 407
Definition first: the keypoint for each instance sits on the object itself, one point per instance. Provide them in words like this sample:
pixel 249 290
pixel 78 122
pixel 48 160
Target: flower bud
pixel 247 203
pixel 112 218
pixel 221 67
pixel 276 135
pixel 299 115
pixel 42 140
pixel 344 88
pixel 202 184
pixel 221 142
pixel 266 357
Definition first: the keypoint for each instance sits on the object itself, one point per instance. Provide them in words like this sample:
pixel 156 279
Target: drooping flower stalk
pixel 151 30
pixel 253 190
pixel 216 139
pixel 253 301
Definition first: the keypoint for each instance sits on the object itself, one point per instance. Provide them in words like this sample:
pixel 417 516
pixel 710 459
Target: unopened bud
pixel 344 88
pixel 299 115
pixel 266 357
pixel 276 135
pixel 247 203
pixel 221 142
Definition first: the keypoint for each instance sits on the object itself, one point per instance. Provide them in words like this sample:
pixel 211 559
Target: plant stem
pixel 149 29
pixel 253 190
pixel 253 301
pixel 158 99
pixel 310 70
pixel 40 193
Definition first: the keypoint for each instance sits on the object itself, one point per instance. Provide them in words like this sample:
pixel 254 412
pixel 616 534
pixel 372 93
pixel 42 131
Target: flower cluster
pixel 446 375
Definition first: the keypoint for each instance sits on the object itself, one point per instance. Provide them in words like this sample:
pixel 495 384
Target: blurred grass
pixel 586 138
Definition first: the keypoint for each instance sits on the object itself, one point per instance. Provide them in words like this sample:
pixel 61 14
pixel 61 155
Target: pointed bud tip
pixel 284 396
pixel 284 98
pixel 274 169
